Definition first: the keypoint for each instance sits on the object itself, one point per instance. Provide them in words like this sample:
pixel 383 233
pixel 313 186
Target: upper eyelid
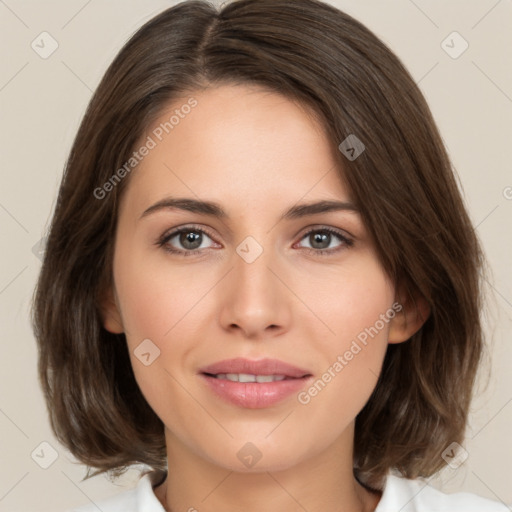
pixel 176 231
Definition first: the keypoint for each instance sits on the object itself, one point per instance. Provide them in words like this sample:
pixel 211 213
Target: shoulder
pixel 139 499
pixel 418 496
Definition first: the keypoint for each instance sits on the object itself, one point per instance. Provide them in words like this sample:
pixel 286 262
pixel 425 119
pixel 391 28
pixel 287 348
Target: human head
pixel 402 183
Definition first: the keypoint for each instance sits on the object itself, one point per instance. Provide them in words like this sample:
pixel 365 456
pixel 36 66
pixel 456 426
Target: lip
pixel 254 395
pixel 259 367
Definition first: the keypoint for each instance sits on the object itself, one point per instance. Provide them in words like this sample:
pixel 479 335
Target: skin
pixel 256 153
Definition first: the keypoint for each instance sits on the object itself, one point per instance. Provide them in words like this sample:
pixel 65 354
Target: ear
pixel 110 313
pixel 409 320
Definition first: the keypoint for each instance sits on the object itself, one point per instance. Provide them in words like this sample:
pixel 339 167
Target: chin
pixel 257 457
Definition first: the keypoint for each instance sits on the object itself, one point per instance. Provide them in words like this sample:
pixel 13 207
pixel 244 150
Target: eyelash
pixel 164 239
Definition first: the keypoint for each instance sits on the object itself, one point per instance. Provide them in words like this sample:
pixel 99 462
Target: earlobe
pixel 409 320
pixel 109 312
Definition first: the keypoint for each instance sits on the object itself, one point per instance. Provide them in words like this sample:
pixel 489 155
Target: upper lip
pixel 259 367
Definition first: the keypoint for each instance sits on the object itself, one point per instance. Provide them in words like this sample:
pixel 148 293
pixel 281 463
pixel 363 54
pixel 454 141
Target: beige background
pixel 41 104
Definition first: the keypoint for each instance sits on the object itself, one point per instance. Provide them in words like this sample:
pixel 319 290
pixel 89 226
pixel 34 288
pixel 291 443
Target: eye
pixel 320 239
pixel 190 238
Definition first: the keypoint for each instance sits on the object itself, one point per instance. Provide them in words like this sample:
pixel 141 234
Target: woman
pixel 260 278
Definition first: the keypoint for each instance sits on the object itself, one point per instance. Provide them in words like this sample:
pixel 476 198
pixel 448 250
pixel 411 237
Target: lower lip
pixel 254 395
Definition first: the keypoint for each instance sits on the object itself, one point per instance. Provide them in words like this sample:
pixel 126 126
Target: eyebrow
pixel 215 210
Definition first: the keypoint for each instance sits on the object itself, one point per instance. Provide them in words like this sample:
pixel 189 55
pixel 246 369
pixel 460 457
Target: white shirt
pixel 399 495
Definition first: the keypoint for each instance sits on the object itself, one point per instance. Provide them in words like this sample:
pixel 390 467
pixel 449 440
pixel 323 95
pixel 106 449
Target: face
pixel 306 290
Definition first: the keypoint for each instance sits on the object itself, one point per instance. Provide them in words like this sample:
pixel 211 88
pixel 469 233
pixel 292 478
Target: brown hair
pixel 403 184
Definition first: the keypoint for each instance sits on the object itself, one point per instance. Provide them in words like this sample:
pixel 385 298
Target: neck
pixel 324 482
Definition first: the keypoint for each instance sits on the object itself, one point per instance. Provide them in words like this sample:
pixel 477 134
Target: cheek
pixel 154 298
pixel 348 303
pixel 156 305
pixel 165 304
pixel 353 311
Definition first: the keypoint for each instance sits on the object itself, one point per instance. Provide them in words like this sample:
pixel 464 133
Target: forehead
pixel 242 142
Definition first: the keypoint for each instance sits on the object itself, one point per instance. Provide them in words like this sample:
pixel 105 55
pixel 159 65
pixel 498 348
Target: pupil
pixel 321 238
pixel 190 238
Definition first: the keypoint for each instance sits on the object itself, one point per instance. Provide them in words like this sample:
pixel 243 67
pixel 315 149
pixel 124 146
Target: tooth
pixel 264 378
pixel 245 377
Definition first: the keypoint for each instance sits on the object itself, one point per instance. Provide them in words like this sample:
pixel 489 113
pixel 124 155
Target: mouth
pixel 254 384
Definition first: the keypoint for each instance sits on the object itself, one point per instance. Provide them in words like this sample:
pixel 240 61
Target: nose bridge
pixel 254 300
pixel 253 263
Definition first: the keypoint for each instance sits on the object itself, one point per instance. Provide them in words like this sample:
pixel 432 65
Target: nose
pixel 254 298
